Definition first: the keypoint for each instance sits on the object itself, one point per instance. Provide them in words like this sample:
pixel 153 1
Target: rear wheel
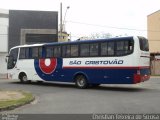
pixel 81 81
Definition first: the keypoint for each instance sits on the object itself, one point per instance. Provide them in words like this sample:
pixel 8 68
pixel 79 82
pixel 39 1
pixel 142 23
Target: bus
pixel 119 60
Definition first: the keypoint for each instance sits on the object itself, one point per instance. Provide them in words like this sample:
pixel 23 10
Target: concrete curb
pixel 155 76
pixel 12 107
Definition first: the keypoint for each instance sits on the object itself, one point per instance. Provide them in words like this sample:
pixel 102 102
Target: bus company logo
pixel 45 66
pixel 48 66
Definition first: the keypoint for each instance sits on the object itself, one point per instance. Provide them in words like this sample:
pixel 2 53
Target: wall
pixel 29 23
pixel 3 41
pixel 153 24
pixel 155 67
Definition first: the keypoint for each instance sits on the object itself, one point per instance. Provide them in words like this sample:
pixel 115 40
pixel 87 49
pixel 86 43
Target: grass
pixel 11 104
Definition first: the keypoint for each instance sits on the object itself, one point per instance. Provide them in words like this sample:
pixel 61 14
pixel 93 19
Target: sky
pixel 86 17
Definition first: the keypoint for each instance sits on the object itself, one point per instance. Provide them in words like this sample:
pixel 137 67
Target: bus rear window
pixel 143 44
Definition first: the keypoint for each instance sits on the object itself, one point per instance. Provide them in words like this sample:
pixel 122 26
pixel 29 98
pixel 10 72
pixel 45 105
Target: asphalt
pixel 62 98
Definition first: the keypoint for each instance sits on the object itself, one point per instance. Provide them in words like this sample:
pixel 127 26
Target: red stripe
pixel 102 67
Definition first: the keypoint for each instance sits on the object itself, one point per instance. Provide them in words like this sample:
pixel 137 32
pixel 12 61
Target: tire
pixel 23 78
pixel 81 81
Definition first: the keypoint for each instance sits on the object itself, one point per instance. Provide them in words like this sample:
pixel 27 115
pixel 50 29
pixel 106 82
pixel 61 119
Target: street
pixel 53 98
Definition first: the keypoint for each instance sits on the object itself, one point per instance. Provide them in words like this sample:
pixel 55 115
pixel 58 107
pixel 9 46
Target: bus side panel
pixel 101 76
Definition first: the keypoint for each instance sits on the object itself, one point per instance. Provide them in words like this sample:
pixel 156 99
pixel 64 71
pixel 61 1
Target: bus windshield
pixel 12 58
pixel 143 44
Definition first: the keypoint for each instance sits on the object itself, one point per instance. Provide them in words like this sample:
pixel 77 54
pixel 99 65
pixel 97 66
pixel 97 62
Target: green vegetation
pixel 11 104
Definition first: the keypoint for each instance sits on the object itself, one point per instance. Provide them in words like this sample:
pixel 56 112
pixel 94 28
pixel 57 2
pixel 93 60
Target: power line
pixel 112 27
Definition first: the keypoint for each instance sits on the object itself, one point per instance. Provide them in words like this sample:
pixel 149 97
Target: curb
pixel 12 107
pixel 155 77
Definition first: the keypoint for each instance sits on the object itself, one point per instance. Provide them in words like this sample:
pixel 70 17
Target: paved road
pixel 62 98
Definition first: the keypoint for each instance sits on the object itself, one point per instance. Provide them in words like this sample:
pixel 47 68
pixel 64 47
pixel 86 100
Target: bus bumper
pixel 140 78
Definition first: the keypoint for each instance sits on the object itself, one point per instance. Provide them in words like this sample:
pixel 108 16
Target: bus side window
pixel 120 48
pixel 94 49
pixel 22 54
pixel 40 55
pixel 63 51
pixel 110 49
pixel 84 50
pixel 36 52
pixel 74 50
pixel 130 45
pixel 104 49
pixel 66 51
pixel 27 56
pixel 57 51
pixel 49 51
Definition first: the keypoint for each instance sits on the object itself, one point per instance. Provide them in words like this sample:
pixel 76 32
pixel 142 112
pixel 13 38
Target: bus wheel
pixel 81 81
pixel 23 78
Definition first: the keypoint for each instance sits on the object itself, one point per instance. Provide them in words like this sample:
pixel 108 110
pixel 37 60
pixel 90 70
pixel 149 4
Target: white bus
pixel 120 60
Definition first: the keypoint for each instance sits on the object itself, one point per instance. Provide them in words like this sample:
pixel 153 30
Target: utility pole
pixel 61 27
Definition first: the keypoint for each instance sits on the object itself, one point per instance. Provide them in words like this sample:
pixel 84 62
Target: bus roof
pixel 73 42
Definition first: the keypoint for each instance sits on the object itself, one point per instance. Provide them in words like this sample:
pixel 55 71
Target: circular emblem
pixel 48 66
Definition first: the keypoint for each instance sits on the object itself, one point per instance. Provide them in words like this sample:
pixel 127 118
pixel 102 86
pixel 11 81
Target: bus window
pixel 74 50
pixel 57 51
pixel 84 50
pixel 49 51
pixel 143 44
pixel 94 49
pixel 104 49
pixel 36 52
pixel 12 58
pixel 63 51
pixel 110 49
pixel 124 47
pixel 40 52
pixel 22 54
pixel 66 51
pixel 121 48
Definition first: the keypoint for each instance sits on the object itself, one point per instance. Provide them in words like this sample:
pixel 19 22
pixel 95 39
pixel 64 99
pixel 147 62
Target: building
pixel 4 23
pixel 32 27
pixel 18 27
pixel 64 36
pixel 153 31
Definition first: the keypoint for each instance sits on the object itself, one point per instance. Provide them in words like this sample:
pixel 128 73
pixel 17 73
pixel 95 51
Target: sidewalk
pixel 3 75
pixel 155 76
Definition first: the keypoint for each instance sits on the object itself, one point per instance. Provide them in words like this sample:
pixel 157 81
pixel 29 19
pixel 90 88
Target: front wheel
pixel 23 78
pixel 81 81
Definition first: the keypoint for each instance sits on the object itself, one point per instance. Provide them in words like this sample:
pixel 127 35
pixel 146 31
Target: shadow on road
pixel 107 87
